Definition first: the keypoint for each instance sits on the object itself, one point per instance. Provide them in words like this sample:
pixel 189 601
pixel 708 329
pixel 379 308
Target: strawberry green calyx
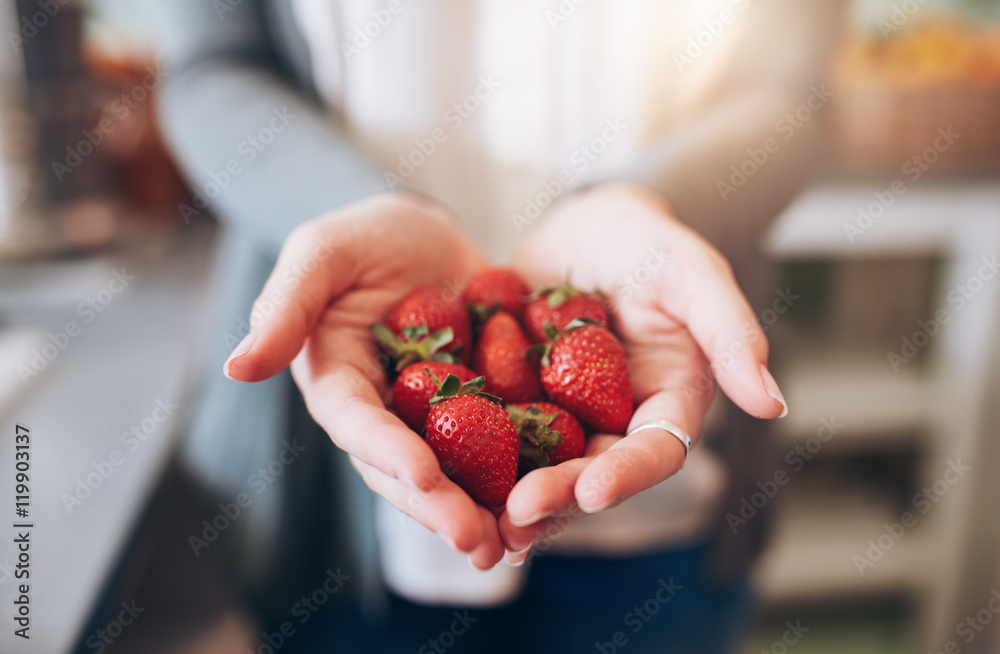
pixel 557 296
pixel 480 313
pixel 537 439
pixel 534 350
pixel 452 386
pixel 415 344
pixel 577 323
pixel 551 333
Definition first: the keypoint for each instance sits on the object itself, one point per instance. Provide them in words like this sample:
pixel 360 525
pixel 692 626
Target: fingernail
pixel 514 564
pixel 771 388
pixel 541 515
pixel 517 559
pixel 603 507
pixel 240 350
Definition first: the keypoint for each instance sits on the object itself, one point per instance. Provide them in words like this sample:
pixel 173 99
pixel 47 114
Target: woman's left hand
pixel 683 320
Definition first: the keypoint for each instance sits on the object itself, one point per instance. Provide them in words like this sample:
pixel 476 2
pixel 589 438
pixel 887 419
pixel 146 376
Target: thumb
pixel 313 267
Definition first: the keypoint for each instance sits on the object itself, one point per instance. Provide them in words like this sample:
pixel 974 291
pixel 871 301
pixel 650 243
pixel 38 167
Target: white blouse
pixel 496 108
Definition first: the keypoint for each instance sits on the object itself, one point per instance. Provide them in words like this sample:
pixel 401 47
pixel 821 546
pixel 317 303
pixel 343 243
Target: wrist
pixel 398 204
pixel 619 193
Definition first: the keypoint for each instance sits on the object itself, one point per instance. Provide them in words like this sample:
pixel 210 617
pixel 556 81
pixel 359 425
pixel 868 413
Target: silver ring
pixel 668 427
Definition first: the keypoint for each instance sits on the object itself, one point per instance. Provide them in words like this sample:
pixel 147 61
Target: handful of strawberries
pixel 544 368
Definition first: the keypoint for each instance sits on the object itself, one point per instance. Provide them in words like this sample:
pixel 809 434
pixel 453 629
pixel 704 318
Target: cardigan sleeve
pixel 259 152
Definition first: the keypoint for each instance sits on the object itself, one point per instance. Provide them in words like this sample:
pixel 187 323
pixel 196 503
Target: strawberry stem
pixel 415 344
pixel 452 386
pixel 536 438
pixel 480 313
pixel 560 294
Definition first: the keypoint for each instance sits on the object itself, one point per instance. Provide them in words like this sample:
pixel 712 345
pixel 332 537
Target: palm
pixel 380 249
pixel 667 369
pixel 320 307
pixel 670 318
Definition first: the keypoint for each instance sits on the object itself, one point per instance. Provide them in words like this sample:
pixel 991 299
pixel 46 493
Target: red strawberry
pixel 560 306
pixel 549 434
pixel 502 356
pixel 415 386
pixel 434 308
pixel 474 440
pixel 495 289
pixel 584 370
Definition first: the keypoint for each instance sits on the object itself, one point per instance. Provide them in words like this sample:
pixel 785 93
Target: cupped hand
pixel 683 321
pixel 335 276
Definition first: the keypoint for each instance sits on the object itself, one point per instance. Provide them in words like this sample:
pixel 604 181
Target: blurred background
pixel 886 532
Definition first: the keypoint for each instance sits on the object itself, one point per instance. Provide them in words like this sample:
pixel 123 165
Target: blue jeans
pixel 653 603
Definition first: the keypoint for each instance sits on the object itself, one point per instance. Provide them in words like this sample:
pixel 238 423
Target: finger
pixel 543 493
pixel 519 541
pixel 345 403
pixel 447 510
pixel 543 503
pixel 315 265
pixel 642 459
pixel 490 549
pixel 704 295
pixel 666 375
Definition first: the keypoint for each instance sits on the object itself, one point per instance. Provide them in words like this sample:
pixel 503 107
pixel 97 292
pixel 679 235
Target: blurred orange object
pixel 892 96
pixel 145 172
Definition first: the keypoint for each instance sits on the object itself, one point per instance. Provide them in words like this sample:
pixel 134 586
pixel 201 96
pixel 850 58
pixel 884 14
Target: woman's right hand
pixel 336 275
